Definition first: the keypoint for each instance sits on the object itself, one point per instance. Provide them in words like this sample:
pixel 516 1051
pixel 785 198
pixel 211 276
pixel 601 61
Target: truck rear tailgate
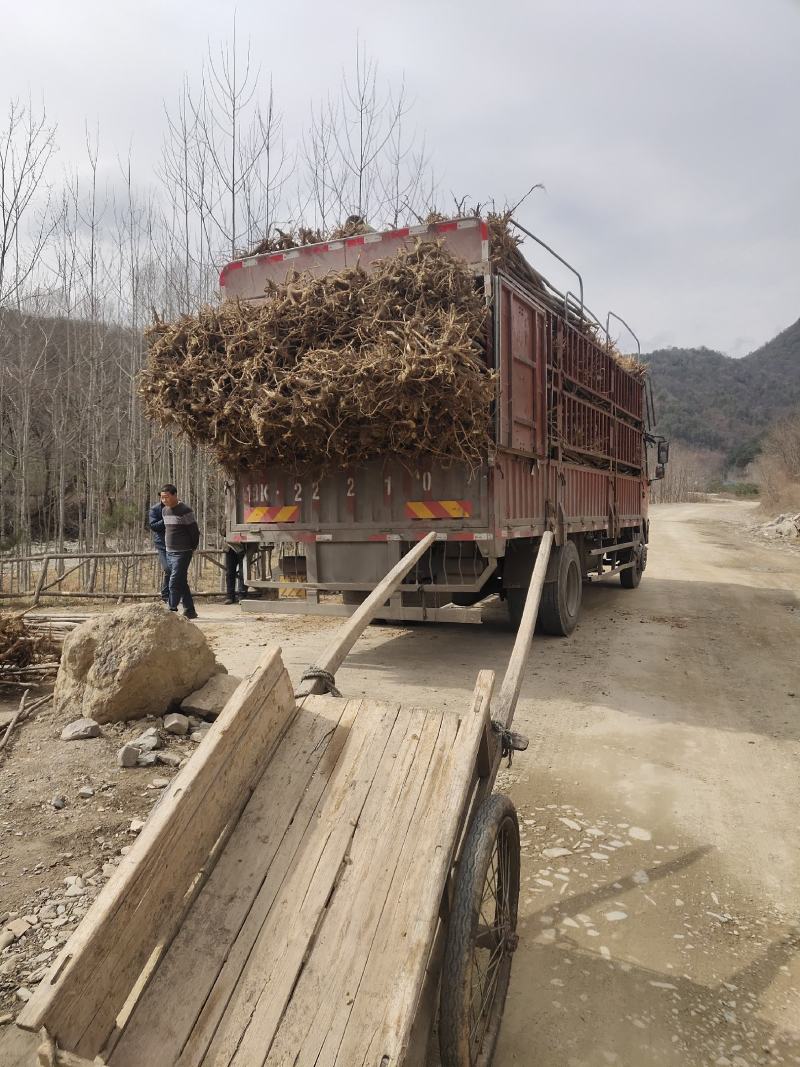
pixel 380 498
pixel 245 279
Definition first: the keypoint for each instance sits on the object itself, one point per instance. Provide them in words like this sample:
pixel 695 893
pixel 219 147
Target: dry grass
pixel 632 364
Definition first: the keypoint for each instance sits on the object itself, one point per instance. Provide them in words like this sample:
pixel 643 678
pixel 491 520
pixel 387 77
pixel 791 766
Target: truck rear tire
pixel 630 578
pixel 561 598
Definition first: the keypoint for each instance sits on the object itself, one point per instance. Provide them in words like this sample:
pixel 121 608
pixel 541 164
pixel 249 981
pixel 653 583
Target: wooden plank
pixel 333 656
pixel 240 769
pixel 384 1006
pixel 314 1023
pixel 346 930
pixel 512 680
pixel 282 926
pixel 140 905
pixel 422 1048
pixel 231 974
pixel 163 1018
pixel 48 1055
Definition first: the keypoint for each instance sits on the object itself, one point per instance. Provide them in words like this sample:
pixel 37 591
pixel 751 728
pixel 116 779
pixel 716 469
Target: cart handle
pixel 320 676
pixel 512 682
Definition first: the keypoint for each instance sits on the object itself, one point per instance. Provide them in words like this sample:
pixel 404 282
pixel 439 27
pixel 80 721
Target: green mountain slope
pixel 714 401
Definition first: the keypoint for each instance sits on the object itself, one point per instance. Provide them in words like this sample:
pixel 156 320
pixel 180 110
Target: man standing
pixel 181 537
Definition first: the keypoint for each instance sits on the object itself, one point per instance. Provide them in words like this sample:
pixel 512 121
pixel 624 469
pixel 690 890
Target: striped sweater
pixel 181 529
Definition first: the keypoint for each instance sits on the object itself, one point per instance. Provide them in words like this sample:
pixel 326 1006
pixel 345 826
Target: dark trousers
pixel 165 572
pixel 165 569
pixel 234 569
pixel 179 591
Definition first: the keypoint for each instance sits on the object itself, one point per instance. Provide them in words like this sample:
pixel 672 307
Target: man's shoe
pixel 229 600
pixel 193 615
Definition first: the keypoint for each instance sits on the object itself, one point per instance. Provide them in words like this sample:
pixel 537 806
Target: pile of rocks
pixel 148 749
pixel 784 526
pixel 192 723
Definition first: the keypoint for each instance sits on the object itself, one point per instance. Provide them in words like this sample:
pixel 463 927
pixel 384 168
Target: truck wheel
pixel 561 599
pixel 481 937
pixel 630 578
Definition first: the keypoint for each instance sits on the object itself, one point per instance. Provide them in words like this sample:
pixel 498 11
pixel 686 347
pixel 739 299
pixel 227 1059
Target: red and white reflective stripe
pixel 227 269
pixel 360 240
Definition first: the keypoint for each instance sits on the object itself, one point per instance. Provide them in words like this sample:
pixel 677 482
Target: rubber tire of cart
pixel 630 578
pixel 560 605
pixel 495 816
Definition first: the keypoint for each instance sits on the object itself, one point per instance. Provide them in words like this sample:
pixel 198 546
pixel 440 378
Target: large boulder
pixel 132 662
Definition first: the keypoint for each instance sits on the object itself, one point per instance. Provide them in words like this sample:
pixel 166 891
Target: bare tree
pixel 778 467
pixel 690 471
pixel 360 157
pixel 82 266
pixel 27 142
pixel 242 141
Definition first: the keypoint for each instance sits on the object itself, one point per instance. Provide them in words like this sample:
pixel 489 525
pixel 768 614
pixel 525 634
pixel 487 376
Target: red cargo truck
pixel 569 454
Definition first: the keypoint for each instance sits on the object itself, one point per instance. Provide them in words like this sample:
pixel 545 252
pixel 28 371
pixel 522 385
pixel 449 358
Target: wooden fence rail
pixel 102 575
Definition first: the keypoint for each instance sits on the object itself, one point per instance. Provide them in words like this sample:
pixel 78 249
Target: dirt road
pixel 671 724
pixel 663 767
pixel 665 757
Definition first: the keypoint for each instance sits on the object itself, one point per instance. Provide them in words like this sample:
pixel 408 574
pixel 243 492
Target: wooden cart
pixel 325 884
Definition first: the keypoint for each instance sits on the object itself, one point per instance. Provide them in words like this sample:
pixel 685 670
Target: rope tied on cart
pixel 317 674
pixel 510 742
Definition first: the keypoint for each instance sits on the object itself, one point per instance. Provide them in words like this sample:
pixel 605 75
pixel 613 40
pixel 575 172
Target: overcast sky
pixel 666 132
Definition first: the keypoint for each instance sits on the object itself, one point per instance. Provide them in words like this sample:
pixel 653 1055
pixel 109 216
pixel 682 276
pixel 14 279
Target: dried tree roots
pixel 331 371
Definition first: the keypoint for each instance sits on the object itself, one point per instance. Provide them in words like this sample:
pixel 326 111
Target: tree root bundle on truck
pixel 331 371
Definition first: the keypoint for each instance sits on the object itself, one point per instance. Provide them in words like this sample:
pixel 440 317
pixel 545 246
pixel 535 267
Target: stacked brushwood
pixel 332 371
pixel 27 655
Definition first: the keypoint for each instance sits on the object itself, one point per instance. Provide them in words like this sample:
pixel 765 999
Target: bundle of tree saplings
pixel 332 371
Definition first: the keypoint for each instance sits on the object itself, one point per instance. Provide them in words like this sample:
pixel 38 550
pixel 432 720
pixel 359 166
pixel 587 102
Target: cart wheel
pixel 481 937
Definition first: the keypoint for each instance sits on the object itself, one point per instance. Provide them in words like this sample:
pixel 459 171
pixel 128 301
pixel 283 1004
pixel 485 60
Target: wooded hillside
pixel 714 401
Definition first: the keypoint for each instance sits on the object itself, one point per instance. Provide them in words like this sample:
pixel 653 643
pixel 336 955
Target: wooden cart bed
pixel 281 903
